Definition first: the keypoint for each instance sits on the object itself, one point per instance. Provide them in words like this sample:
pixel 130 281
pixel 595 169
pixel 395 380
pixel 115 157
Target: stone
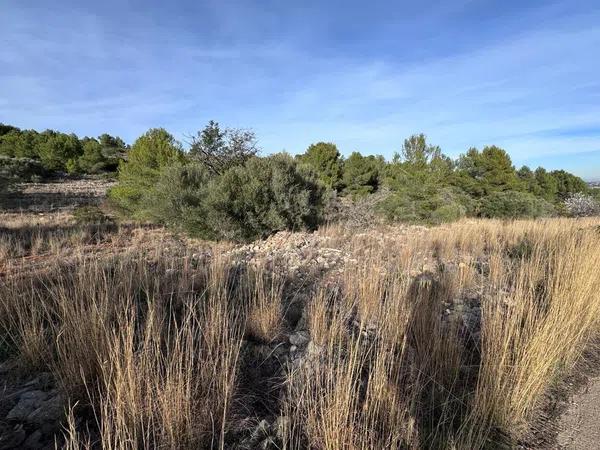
pixel 50 411
pixel 29 402
pixel 42 380
pixel 34 395
pixel 34 440
pixel 14 439
pixel 299 338
pixel 279 427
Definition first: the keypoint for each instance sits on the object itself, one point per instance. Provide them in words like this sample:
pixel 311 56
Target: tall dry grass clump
pixel 264 320
pixel 150 345
pixel 429 338
pixel 534 334
pixel 381 368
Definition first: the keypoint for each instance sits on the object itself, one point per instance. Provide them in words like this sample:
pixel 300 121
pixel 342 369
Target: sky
pixel 523 75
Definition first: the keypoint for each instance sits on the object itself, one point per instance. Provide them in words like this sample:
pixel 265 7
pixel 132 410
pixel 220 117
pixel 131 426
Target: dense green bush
pixel 179 200
pixel 266 195
pixel 483 173
pixel 149 155
pixel 21 169
pixel 59 151
pixel 513 204
pixel 246 202
pixel 326 161
pixel 20 144
pixel 362 174
pixel 427 205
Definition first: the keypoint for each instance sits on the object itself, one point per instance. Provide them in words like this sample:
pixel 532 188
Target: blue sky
pixel 524 75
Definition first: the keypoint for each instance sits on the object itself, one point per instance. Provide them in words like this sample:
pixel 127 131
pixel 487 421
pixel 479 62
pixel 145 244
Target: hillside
pixel 381 337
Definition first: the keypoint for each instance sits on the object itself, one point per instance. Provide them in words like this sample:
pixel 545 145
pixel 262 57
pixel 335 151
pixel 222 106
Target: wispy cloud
pixel 523 78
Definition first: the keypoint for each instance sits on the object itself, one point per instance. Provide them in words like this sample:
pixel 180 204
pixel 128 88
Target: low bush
pixel 90 215
pixel 514 205
pixel 149 155
pixel 264 196
pixel 431 206
pixel 246 202
pixel 21 169
pixel 179 200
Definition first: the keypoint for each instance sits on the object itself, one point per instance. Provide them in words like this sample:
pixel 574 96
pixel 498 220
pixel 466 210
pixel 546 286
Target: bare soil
pixel 580 425
pixel 56 195
pixel 569 415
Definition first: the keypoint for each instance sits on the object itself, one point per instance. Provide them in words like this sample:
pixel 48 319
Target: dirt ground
pixel 574 425
pixel 61 194
pixel 580 425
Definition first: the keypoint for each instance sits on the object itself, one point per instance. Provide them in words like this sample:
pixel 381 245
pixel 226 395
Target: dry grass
pixel 147 343
pixel 265 316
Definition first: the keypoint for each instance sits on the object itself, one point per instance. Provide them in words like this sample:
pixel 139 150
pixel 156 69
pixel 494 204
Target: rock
pixel 34 440
pixel 42 380
pixel 29 402
pixel 299 338
pixel 34 395
pixel 50 411
pixel 14 439
pixel 302 323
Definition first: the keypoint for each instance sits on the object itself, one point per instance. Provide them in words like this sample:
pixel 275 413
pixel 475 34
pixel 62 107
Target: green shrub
pixel 100 156
pixel 246 202
pixel 57 149
pixel 72 166
pixel 513 205
pixel 20 170
pixel 427 205
pixel 361 174
pixel 90 215
pixel 326 161
pixel 149 155
pixel 450 212
pixel 266 195
pixel 179 200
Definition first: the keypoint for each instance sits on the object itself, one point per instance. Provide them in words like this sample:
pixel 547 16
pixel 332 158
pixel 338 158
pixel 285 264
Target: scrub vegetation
pixel 222 299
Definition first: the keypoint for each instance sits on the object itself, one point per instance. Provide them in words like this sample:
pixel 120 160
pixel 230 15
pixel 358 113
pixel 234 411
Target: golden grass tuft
pixel 147 342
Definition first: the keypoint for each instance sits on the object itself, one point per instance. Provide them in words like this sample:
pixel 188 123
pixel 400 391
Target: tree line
pixel 219 187
pixel 427 186
pixel 51 151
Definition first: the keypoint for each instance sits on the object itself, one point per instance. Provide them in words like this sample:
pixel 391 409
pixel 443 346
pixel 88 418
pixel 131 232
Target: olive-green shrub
pixel 246 202
pixel 425 204
pixel 149 155
pixel 266 195
pixel 21 169
pixel 514 205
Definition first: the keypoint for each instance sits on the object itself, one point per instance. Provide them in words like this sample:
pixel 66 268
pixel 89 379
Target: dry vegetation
pixel 390 338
